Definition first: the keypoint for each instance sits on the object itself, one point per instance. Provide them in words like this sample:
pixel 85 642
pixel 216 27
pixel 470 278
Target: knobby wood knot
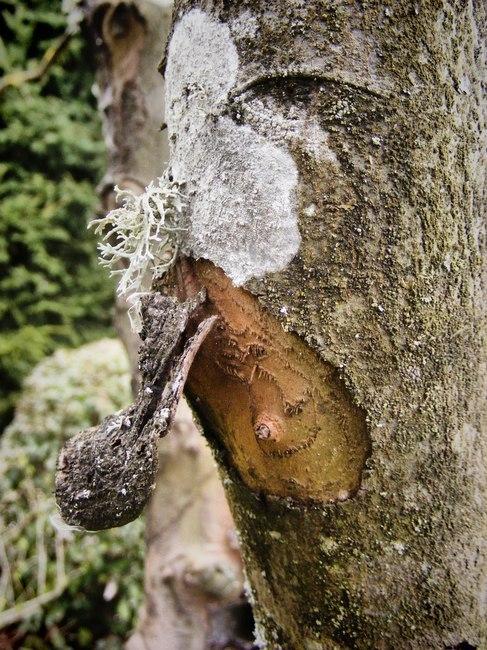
pixel 267 428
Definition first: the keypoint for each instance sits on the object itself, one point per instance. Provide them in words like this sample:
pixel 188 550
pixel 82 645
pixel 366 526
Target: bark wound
pixel 106 474
pixel 286 418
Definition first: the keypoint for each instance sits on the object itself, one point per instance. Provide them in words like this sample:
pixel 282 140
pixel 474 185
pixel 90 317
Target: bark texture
pixel 128 39
pixel 372 336
pixel 193 578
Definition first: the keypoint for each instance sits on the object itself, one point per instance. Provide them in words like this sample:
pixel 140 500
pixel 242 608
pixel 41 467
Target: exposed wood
pixel 289 424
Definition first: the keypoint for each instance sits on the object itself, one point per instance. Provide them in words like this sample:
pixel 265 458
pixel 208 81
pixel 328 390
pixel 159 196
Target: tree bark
pixel 334 156
pixel 193 583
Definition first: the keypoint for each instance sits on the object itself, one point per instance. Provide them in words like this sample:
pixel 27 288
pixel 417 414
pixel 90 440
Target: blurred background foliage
pixel 90 585
pixel 52 292
pixel 59 588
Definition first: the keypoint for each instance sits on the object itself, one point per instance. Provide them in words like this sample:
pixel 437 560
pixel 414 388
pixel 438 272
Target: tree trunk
pixel 334 156
pixel 193 578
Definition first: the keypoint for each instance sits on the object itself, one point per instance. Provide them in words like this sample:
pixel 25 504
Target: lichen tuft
pixel 141 239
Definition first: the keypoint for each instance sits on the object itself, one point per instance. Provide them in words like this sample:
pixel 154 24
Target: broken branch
pixel 107 473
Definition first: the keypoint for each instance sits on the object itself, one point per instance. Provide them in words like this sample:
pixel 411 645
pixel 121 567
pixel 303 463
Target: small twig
pixel 13 531
pixel 30 607
pixel 60 564
pixel 41 554
pixel 19 77
pixel 6 589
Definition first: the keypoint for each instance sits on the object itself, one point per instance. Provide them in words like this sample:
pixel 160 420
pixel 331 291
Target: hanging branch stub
pixel 106 474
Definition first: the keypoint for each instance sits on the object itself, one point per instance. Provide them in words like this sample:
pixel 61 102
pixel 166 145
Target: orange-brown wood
pixel 285 417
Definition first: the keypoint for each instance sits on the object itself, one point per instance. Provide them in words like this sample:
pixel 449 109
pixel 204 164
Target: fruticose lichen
pixel 141 239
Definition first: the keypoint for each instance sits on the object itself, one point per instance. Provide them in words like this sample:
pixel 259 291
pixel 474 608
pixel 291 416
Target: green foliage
pixel 51 291
pixel 97 602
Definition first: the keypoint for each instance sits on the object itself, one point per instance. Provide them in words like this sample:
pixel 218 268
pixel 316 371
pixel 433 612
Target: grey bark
pixel 382 109
pixel 193 577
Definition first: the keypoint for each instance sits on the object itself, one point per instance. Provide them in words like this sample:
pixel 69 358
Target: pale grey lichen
pixel 141 239
pixel 245 26
pixel 292 126
pixel 241 186
pixel 242 216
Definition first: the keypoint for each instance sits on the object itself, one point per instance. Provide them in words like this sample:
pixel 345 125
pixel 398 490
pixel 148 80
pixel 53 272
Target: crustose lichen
pixel 141 239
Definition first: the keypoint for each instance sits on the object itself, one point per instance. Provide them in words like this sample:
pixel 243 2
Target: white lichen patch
pixel 241 186
pixel 275 534
pixel 399 547
pixel 245 26
pixel 242 214
pixel 310 210
pixel 202 66
pixel 291 125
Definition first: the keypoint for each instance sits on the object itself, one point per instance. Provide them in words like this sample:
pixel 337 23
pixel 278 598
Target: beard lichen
pixel 141 238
